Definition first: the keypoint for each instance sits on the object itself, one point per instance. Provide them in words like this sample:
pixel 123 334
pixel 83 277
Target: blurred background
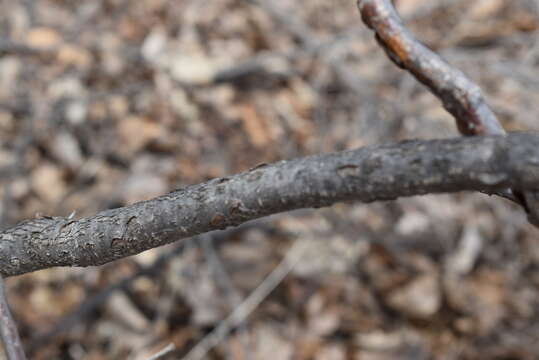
pixel 107 102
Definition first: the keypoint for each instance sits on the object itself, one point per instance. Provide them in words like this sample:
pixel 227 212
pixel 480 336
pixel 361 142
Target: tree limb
pixel 460 96
pixel 368 174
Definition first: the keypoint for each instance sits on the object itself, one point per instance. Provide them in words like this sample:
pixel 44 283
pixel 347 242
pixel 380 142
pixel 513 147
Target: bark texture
pixel 368 174
pixel 460 96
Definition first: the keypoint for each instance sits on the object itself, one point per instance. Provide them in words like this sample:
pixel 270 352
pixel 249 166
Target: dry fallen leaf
pixel 43 38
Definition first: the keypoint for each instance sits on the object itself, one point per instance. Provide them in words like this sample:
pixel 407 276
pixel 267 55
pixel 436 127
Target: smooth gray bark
pixel 374 173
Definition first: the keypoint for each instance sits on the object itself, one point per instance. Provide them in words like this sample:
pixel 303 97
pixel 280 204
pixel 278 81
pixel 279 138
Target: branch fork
pixel 460 96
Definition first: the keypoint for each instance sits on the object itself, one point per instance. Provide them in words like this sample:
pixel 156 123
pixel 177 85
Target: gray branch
pixel 373 173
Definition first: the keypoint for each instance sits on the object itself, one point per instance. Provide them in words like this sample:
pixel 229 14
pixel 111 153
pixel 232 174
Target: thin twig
pixel 165 351
pixel 224 282
pixel 8 329
pixel 241 312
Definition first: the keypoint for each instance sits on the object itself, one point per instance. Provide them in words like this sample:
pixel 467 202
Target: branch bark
pixel 460 96
pixel 368 174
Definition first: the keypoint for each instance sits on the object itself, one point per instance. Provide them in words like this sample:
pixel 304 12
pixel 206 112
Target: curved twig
pixel 460 96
